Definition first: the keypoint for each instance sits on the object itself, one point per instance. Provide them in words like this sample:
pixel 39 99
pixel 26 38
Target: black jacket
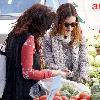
pixel 17 88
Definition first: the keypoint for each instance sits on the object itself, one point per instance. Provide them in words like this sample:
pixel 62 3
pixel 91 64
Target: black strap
pixel 2 52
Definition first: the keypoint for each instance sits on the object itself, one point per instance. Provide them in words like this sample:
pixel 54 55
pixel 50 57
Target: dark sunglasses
pixel 70 24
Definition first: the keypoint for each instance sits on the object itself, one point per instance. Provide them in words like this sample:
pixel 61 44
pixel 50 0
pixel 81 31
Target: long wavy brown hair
pixel 64 11
pixel 35 20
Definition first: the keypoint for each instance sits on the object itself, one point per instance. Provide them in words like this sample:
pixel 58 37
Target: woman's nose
pixel 69 27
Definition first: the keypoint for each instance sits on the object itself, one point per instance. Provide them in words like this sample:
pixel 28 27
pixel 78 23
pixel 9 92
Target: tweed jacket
pixel 58 56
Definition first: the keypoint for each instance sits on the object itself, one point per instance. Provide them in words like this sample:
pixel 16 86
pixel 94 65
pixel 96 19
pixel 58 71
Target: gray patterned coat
pixel 58 56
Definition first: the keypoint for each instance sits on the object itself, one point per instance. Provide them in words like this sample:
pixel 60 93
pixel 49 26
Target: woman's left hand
pixel 85 79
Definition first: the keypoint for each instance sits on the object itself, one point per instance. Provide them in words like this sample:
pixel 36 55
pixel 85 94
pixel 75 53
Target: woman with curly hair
pixel 65 48
pixel 24 65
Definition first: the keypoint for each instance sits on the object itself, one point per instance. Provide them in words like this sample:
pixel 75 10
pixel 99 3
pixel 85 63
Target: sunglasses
pixel 70 24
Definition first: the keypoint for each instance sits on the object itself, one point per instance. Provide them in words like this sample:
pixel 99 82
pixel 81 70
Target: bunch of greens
pixel 95 91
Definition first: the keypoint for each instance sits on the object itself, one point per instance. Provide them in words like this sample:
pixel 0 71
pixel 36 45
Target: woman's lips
pixel 68 30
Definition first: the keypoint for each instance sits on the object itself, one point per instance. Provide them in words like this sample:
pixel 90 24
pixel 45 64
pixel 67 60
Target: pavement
pixel 2 38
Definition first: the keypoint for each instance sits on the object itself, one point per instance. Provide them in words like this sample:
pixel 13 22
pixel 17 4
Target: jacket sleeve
pixel 27 52
pixel 49 58
pixel 83 58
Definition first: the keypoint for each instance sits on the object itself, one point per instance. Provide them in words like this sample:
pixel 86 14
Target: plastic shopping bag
pixel 46 86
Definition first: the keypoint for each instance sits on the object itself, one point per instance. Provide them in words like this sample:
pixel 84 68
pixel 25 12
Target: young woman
pixel 66 45
pixel 24 65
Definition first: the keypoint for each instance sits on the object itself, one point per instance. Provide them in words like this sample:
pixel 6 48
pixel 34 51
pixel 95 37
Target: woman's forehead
pixel 70 19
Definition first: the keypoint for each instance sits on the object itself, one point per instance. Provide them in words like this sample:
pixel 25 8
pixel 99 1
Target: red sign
pixel 95 6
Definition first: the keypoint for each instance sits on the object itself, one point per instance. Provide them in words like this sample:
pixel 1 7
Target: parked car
pixel 10 10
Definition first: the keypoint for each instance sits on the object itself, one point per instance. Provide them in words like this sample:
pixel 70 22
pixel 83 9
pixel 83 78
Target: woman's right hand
pixel 55 72
pixel 60 72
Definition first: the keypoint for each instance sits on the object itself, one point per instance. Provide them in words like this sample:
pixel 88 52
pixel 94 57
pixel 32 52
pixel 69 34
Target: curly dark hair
pixel 35 20
pixel 64 11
